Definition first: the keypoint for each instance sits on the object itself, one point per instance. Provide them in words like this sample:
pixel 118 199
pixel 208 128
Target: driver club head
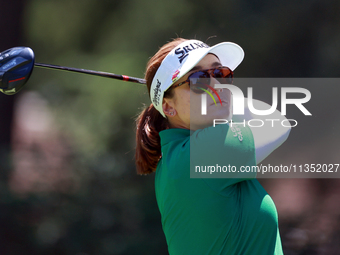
pixel 16 66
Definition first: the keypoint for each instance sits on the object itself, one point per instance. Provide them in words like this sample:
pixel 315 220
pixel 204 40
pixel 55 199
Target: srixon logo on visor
pixel 183 52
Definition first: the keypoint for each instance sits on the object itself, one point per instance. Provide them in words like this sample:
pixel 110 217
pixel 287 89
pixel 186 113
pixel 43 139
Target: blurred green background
pixel 68 183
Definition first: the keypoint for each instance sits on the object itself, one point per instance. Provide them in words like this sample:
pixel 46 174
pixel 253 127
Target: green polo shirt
pixel 213 215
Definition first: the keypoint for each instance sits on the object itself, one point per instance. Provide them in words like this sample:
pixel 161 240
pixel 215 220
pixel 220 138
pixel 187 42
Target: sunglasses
pixel 198 80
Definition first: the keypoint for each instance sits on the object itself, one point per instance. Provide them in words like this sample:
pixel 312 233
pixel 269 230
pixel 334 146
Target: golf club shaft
pixel 96 73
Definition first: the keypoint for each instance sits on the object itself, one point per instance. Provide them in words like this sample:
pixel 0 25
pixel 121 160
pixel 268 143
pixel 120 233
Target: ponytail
pixel 148 149
pixel 150 122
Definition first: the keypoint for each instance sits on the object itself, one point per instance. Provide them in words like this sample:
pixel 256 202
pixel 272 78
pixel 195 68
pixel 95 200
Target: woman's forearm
pixel 269 131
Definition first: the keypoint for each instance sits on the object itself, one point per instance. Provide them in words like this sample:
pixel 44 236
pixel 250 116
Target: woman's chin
pixel 219 112
pixel 208 121
pixel 199 120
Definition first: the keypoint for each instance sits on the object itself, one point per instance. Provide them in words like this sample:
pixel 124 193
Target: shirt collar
pixel 172 134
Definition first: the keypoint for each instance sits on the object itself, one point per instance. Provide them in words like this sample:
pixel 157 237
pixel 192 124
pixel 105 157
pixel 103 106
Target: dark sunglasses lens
pixel 200 75
pixel 198 82
pixel 198 87
pixel 224 73
pixel 218 73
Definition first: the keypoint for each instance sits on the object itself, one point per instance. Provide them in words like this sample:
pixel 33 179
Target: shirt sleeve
pixel 222 155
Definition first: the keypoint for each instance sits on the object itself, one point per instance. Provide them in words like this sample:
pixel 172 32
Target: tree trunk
pixel 11 31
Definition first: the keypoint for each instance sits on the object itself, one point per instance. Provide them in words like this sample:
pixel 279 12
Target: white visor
pixel 183 58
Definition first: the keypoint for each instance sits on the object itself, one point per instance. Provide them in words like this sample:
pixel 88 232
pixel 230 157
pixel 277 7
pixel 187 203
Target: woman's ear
pixel 168 107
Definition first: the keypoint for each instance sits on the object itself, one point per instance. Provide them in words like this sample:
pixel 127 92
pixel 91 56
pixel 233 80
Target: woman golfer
pixel 203 213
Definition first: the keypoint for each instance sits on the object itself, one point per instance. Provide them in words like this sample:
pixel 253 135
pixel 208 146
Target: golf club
pixel 16 66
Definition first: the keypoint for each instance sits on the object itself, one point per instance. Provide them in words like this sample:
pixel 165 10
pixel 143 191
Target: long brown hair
pixel 150 122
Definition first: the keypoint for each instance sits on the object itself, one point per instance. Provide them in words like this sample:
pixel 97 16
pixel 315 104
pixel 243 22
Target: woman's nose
pixel 213 82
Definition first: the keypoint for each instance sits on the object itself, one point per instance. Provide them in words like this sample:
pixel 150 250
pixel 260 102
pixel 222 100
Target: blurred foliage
pixel 104 207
